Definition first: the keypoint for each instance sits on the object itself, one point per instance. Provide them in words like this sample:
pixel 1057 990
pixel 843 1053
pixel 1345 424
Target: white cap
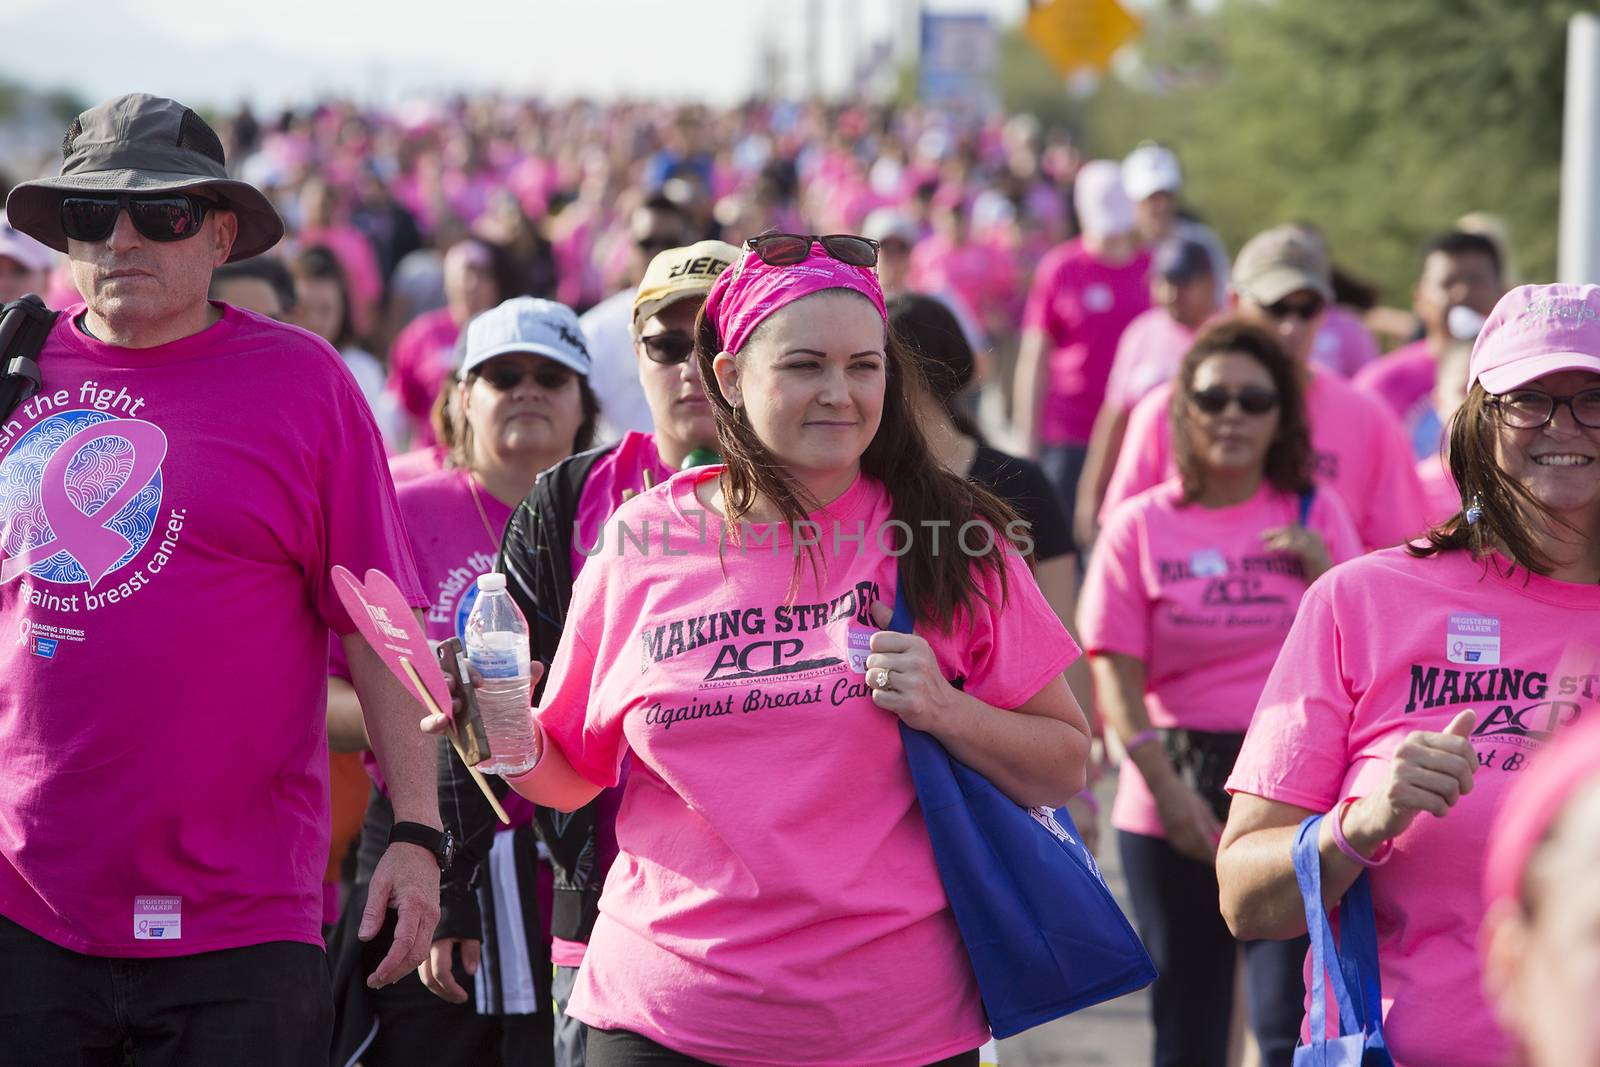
pixel 14 244
pixel 1151 169
pixel 491 583
pixel 527 324
pixel 885 223
pixel 1097 194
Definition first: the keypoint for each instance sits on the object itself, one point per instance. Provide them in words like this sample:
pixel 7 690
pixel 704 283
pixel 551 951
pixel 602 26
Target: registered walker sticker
pixel 157 918
pixel 1472 638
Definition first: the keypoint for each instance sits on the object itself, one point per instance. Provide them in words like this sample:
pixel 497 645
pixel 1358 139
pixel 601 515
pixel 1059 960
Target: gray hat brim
pixel 34 207
pixel 1272 285
pixel 473 360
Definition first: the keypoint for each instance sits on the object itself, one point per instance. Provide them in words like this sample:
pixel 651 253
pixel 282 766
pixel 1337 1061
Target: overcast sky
pixel 217 52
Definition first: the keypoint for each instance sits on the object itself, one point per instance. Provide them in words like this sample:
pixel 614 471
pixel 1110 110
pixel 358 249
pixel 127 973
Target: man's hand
pixel 439 725
pixel 406 879
pixel 438 970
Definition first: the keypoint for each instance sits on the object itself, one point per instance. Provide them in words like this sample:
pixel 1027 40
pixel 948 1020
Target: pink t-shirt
pixel 775 899
pixel 1343 345
pixel 1404 381
pixel 452 548
pixel 621 470
pixel 1193 593
pixel 418 463
pixel 1148 354
pixel 169 517
pixel 1386 645
pixel 1359 452
pixel 1082 305
pixel 981 274
pixel 422 355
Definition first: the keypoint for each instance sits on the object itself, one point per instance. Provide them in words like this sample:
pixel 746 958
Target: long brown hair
pixel 920 488
pixel 1508 512
pixel 1287 465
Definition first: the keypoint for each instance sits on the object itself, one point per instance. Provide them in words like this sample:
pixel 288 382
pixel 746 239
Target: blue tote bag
pixel 1045 936
pixel 1351 964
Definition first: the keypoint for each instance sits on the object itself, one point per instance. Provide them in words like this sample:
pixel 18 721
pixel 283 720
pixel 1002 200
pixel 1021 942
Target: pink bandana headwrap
pixel 744 296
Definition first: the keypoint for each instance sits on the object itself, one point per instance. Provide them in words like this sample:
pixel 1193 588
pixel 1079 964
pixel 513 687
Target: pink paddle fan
pixel 381 613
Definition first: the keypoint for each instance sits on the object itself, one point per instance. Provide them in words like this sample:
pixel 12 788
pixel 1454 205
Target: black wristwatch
pixel 442 843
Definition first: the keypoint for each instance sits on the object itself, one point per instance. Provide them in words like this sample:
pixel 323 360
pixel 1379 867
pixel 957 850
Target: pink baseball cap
pixel 1568 763
pixel 1536 330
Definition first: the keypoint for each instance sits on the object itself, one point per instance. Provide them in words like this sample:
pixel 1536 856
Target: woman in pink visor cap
pixel 1420 683
pixel 775 899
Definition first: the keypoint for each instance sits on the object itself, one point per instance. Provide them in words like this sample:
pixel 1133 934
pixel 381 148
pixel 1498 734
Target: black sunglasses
pixel 1251 400
pixel 162 217
pixel 504 377
pixel 1530 409
pixel 1300 309
pixel 668 349
pixel 787 249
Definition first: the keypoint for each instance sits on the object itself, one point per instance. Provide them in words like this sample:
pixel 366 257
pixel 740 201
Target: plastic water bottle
pixel 497 645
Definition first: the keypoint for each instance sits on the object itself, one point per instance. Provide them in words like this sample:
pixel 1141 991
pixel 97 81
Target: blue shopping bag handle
pixel 1352 962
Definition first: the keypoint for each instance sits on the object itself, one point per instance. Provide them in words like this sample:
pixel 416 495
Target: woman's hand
pixel 1429 772
pixel 439 725
pixel 904 676
pixel 1304 543
pixel 1192 830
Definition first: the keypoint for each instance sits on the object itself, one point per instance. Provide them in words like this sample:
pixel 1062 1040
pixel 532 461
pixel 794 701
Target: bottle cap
pixel 491 583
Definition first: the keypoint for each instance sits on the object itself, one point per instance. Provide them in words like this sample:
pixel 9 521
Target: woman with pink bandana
pixel 1419 683
pixel 775 900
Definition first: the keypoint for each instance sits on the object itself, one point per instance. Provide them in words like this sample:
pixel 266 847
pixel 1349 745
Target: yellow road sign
pixel 1080 34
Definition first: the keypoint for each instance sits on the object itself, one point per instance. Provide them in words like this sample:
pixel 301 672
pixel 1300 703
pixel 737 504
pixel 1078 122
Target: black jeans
pixel 623 1048
pixel 260 1006
pixel 1176 906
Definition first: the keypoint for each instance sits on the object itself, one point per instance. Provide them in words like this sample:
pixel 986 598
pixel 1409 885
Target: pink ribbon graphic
pixel 89 539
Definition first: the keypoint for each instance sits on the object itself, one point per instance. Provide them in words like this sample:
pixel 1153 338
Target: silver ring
pixel 883 678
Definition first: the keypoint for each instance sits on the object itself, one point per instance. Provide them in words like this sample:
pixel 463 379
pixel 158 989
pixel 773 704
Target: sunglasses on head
pixel 1251 400
pixel 668 349
pixel 506 376
pixel 157 217
pixel 787 249
pixel 1305 310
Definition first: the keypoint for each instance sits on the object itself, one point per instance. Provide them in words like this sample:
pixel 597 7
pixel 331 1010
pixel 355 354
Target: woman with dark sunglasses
pixel 775 899
pixel 523 404
pixel 1420 684
pixel 1190 592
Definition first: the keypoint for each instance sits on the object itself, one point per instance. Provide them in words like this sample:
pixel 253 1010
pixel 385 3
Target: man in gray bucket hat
pixel 172 502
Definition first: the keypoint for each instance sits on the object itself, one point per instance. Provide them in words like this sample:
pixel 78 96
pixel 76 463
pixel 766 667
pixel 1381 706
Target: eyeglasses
pixel 1529 409
pixel 167 217
pixel 668 349
pixel 1251 401
pixel 1305 310
pixel 787 249
pixel 504 377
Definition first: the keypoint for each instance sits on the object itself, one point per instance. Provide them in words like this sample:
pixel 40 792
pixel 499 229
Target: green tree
pixel 1381 121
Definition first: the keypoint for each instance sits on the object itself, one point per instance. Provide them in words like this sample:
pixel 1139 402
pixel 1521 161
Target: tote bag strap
pixel 1324 953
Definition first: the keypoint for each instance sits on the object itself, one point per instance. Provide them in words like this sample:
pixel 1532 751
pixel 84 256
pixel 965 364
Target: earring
pixel 1474 511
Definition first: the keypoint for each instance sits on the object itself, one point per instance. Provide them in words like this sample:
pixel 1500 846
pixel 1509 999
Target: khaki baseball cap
pixel 678 274
pixel 1280 261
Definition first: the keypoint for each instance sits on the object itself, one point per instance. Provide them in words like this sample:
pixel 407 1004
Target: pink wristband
pixel 1336 816
pixel 1140 739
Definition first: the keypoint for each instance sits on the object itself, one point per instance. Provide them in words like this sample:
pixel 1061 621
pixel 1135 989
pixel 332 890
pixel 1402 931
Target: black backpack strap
pixel 25 325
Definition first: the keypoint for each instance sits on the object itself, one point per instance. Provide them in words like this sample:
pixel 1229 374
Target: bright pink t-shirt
pixel 1343 344
pixel 1386 645
pixel 621 470
pixel 1082 305
pixel 1359 452
pixel 1441 498
pixel 980 273
pixel 1193 593
pixel 422 355
pixel 169 518
pixel 775 899
pixel 1148 354
pixel 452 548
pixel 418 463
pixel 1404 381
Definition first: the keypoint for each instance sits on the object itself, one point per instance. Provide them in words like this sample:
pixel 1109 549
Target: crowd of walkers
pixel 721 394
